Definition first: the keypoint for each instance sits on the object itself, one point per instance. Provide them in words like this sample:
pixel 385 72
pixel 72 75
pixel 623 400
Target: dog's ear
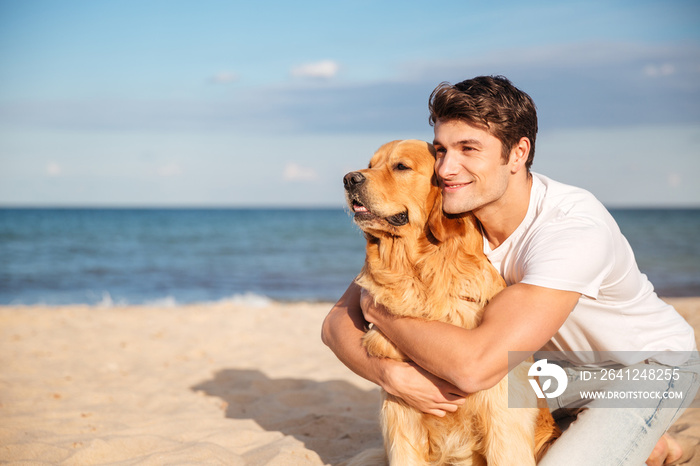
pixel 443 227
pixel 436 217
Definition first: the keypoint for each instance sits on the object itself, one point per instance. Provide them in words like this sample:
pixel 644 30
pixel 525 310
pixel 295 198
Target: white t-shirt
pixel 569 241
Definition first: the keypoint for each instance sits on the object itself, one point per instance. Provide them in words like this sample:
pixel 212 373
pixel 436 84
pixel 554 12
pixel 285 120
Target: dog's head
pixel 398 193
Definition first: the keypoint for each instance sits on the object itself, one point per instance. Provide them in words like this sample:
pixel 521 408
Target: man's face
pixel 469 166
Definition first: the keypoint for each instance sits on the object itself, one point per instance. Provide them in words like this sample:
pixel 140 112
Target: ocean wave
pixel 106 300
pixel 247 299
pixel 167 301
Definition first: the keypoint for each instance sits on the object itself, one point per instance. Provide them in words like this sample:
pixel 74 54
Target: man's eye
pixel 400 166
pixel 440 152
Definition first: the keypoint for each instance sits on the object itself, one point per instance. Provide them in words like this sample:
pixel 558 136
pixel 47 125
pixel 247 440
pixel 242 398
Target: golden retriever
pixel 422 263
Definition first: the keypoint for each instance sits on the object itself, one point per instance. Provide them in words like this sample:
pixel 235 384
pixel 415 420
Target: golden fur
pixel 422 263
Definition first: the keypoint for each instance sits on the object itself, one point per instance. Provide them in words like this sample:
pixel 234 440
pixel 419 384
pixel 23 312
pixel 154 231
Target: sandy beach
pixel 216 384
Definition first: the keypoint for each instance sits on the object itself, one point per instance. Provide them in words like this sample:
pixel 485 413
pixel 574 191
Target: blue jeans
pixel 602 436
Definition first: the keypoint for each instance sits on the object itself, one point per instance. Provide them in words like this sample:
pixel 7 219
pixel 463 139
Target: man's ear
pixel 519 155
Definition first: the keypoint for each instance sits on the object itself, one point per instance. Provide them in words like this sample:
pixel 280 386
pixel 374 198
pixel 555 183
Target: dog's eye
pixel 400 166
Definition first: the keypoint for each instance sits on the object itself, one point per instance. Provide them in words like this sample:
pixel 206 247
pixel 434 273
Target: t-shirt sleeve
pixel 572 255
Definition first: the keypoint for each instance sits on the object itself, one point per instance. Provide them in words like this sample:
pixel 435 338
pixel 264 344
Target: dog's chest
pixel 435 295
pixel 445 282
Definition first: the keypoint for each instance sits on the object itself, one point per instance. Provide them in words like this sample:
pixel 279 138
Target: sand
pixel 217 384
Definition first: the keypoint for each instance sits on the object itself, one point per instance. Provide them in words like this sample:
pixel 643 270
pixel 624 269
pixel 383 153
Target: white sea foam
pixel 167 301
pixel 107 301
pixel 244 299
pixel 247 299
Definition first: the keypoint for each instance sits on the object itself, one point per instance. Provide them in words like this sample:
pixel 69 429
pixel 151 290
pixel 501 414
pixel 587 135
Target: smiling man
pixel 573 286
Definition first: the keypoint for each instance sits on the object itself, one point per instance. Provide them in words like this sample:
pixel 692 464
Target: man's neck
pixel 501 218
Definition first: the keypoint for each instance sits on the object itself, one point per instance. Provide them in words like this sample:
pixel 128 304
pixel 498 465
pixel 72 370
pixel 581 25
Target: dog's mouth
pixel 362 213
pixel 358 208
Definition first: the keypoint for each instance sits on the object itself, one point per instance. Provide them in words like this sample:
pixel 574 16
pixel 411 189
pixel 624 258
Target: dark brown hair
pixel 492 103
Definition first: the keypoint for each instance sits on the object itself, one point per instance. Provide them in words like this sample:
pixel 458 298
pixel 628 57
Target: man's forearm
pixel 440 348
pixel 342 332
pixel 520 318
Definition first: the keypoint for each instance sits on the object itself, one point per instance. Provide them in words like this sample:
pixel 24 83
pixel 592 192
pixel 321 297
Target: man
pixel 572 281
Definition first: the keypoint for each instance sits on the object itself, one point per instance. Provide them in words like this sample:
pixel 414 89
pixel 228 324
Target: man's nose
pixel 446 166
pixel 353 179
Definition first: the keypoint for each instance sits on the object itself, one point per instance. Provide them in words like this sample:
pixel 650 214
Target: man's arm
pixel 342 332
pixel 520 318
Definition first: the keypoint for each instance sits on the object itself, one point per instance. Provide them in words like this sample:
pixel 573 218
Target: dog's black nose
pixel 353 179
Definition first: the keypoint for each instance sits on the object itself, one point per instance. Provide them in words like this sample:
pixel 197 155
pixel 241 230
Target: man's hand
pixel 422 390
pixel 417 387
pixel 666 451
pixel 369 307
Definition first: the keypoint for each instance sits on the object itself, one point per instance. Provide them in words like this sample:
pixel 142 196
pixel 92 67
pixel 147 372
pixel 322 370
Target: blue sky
pixel 227 103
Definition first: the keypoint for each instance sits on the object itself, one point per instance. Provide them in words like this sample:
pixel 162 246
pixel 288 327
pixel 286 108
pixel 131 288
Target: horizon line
pixel 277 206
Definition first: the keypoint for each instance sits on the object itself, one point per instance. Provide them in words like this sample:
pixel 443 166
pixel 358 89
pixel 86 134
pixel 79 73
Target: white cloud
pixel 225 77
pixel 674 180
pixel 295 172
pixel 655 71
pixel 325 69
pixel 620 165
pixel 53 169
pixel 169 170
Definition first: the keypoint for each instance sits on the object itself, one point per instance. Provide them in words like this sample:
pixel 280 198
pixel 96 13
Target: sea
pixel 170 257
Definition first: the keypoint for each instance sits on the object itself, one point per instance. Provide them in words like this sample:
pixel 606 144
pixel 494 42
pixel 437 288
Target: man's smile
pixel 453 186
